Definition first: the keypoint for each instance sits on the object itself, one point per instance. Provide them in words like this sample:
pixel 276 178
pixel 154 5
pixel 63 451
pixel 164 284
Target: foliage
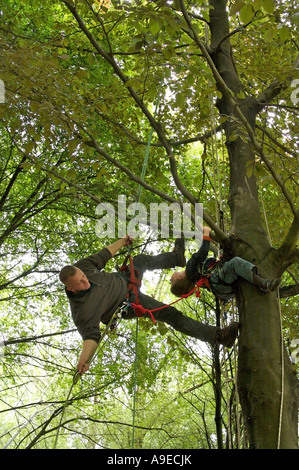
pixel 74 131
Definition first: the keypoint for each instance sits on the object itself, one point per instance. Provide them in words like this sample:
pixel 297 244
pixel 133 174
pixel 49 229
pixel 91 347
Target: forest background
pixel 88 86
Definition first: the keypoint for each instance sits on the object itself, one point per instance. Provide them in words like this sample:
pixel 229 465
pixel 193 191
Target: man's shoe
pixel 227 336
pixel 179 249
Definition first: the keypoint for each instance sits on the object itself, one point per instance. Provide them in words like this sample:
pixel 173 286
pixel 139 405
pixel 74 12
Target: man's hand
pixel 89 347
pixel 119 244
pixel 82 367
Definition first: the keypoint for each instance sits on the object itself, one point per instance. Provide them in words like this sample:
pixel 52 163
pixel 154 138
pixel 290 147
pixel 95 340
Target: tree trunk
pixel 217 384
pixel 262 359
pixel 262 392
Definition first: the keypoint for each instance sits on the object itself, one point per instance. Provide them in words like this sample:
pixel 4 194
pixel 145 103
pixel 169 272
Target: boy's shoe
pixel 266 285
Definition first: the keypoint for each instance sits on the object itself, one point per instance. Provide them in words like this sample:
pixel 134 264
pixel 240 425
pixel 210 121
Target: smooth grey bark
pixel 268 386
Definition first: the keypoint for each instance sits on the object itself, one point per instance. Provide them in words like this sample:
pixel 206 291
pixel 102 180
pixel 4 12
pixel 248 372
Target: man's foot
pixel 266 285
pixel 179 249
pixel 227 336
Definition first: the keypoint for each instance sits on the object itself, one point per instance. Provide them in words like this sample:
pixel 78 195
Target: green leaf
pixel 269 34
pixel 257 5
pixel 295 18
pixel 180 99
pixel 268 6
pixel 247 13
pixel 236 7
pixel 154 27
pixel 284 33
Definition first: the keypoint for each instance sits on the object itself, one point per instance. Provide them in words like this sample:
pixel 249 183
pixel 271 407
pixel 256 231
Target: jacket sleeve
pixel 97 261
pixel 196 260
pixel 88 328
pixel 90 332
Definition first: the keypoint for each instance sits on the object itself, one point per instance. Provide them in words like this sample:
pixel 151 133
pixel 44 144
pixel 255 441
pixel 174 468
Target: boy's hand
pixel 206 231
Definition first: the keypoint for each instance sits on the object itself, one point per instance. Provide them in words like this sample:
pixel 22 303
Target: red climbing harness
pixel 134 283
pixel 140 310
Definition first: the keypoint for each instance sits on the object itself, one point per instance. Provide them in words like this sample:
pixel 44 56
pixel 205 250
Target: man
pixel 94 295
pixel 218 277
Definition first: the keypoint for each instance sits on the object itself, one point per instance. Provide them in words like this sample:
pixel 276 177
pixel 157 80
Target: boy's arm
pixel 199 256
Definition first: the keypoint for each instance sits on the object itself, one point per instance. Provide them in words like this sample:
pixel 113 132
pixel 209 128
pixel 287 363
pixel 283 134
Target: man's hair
pixel 181 287
pixel 67 272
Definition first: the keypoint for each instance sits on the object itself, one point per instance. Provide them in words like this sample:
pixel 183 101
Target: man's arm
pixel 89 347
pixel 116 246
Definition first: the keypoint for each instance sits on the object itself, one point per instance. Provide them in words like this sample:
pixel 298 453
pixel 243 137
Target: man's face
pixel 78 282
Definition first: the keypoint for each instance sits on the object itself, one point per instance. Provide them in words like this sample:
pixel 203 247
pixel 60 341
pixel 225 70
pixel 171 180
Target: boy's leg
pixel 236 267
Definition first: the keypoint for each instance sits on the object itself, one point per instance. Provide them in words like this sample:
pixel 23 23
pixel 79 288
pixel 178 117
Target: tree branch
pixel 34 338
pixel 289 291
pixel 269 94
pixel 234 104
pixel 288 247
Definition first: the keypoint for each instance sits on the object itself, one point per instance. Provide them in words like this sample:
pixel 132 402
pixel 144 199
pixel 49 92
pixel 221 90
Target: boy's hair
pixel 181 287
pixel 67 272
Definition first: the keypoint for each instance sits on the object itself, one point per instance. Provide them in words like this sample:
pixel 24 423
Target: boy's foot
pixel 266 285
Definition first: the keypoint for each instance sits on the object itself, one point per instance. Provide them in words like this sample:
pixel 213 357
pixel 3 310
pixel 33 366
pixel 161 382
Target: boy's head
pixel 180 284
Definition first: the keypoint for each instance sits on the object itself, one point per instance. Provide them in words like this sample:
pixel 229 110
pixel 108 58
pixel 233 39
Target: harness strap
pixel 140 310
pixel 134 282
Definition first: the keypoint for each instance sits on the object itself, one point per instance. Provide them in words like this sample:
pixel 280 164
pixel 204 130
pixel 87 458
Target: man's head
pixel 74 279
pixel 180 284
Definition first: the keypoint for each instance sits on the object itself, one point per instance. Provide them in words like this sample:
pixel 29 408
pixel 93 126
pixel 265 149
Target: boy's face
pixel 77 282
pixel 176 276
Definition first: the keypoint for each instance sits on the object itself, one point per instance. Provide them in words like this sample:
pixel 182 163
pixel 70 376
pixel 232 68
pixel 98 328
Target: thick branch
pixel 289 291
pixel 234 105
pixel 288 246
pixel 269 94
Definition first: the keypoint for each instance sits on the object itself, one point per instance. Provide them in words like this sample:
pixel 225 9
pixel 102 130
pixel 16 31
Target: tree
pixel 224 71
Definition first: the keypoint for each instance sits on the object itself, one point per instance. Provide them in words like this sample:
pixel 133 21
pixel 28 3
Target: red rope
pixel 140 310
pixel 135 282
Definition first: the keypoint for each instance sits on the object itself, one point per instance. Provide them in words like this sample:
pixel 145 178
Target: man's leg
pixel 176 319
pixel 188 326
pixel 162 261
